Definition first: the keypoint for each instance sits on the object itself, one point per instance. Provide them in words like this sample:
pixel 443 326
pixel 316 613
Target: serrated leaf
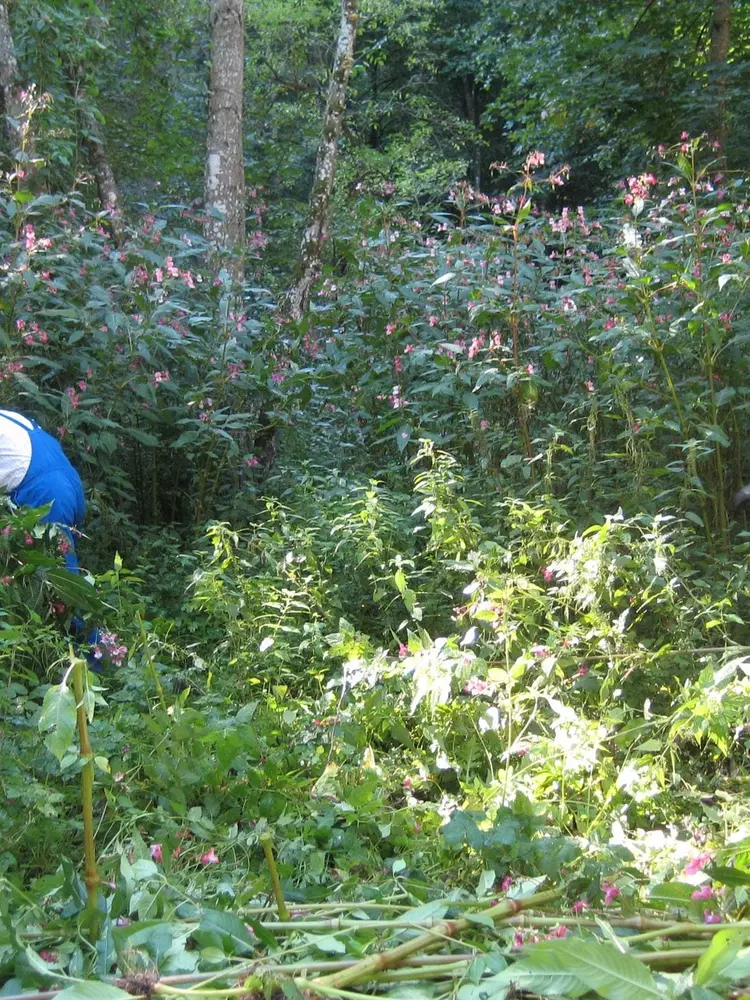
pixel 58 719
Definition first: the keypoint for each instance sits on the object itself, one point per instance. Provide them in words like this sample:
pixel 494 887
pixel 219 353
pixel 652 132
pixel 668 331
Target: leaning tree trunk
pixel 314 237
pixel 720 38
pixel 16 128
pixel 225 164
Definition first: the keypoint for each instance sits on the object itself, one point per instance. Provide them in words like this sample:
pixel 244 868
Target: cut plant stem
pixel 278 892
pixel 374 964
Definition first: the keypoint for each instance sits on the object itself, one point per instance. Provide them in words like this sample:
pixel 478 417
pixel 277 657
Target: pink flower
pixel 506 883
pixel 28 539
pixel 251 462
pixel 403 649
pixel 711 918
pixel 558 932
pixel 390 328
pixel 209 858
pixel 156 853
pixel 611 892
pixel 433 321
pixel 7 529
pixel 697 864
pixel 63 545
pixel 705 892
pixel 484 425
pixel 590 385
pixel 6 580
pixel 547 573
pixel 476 686
pixel 530 369
pixel 158 377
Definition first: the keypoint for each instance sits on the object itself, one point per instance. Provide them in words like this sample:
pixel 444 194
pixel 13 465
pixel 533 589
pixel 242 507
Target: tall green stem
pixel 91 875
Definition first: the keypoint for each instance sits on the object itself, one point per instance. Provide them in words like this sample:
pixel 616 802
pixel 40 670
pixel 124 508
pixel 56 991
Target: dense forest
pixel 402 351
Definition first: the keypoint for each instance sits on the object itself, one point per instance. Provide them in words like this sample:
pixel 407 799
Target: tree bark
pixel 16 128
pixel 109 195
pixel 225 163
pixel 720 39
pixel 316 231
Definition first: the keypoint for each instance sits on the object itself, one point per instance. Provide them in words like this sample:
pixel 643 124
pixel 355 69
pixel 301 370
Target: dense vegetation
pixel 437 595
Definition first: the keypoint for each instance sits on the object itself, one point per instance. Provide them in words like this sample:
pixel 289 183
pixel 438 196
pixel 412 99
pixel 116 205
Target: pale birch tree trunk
pixel 316 231
pixel 225 163
pixel 721 23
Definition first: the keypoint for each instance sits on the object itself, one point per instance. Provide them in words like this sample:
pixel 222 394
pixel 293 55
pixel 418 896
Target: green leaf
pixel 235 937
pixel 729 876
pixel 58 719
pixel 143 436
pixel 328 944
pixel 547 976
pixel 93 991
pixel 603 968
pixel 403 436
pixel 74 589
pixel 443 279
pixel 724 948
pixel 671 893
pixel 291 991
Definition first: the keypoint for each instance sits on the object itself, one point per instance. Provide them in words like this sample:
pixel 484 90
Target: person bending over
pixel 35 471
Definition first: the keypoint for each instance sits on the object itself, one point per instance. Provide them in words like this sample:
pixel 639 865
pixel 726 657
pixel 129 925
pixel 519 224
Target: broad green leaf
pixel 548 977
pixel 434 910
pixel 93 991
pixel 729 876
pixel 329 944
pixel 58 719
pixel 235 937
pixel 724 948
pixel 602 967
pixel 74 589
pixel 671 893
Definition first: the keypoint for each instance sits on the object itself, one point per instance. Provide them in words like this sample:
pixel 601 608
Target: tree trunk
pixel 16 128
pixel 109 196
pixel 316 231
pixel 471 110
pixel 225 163
pixel 720 38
